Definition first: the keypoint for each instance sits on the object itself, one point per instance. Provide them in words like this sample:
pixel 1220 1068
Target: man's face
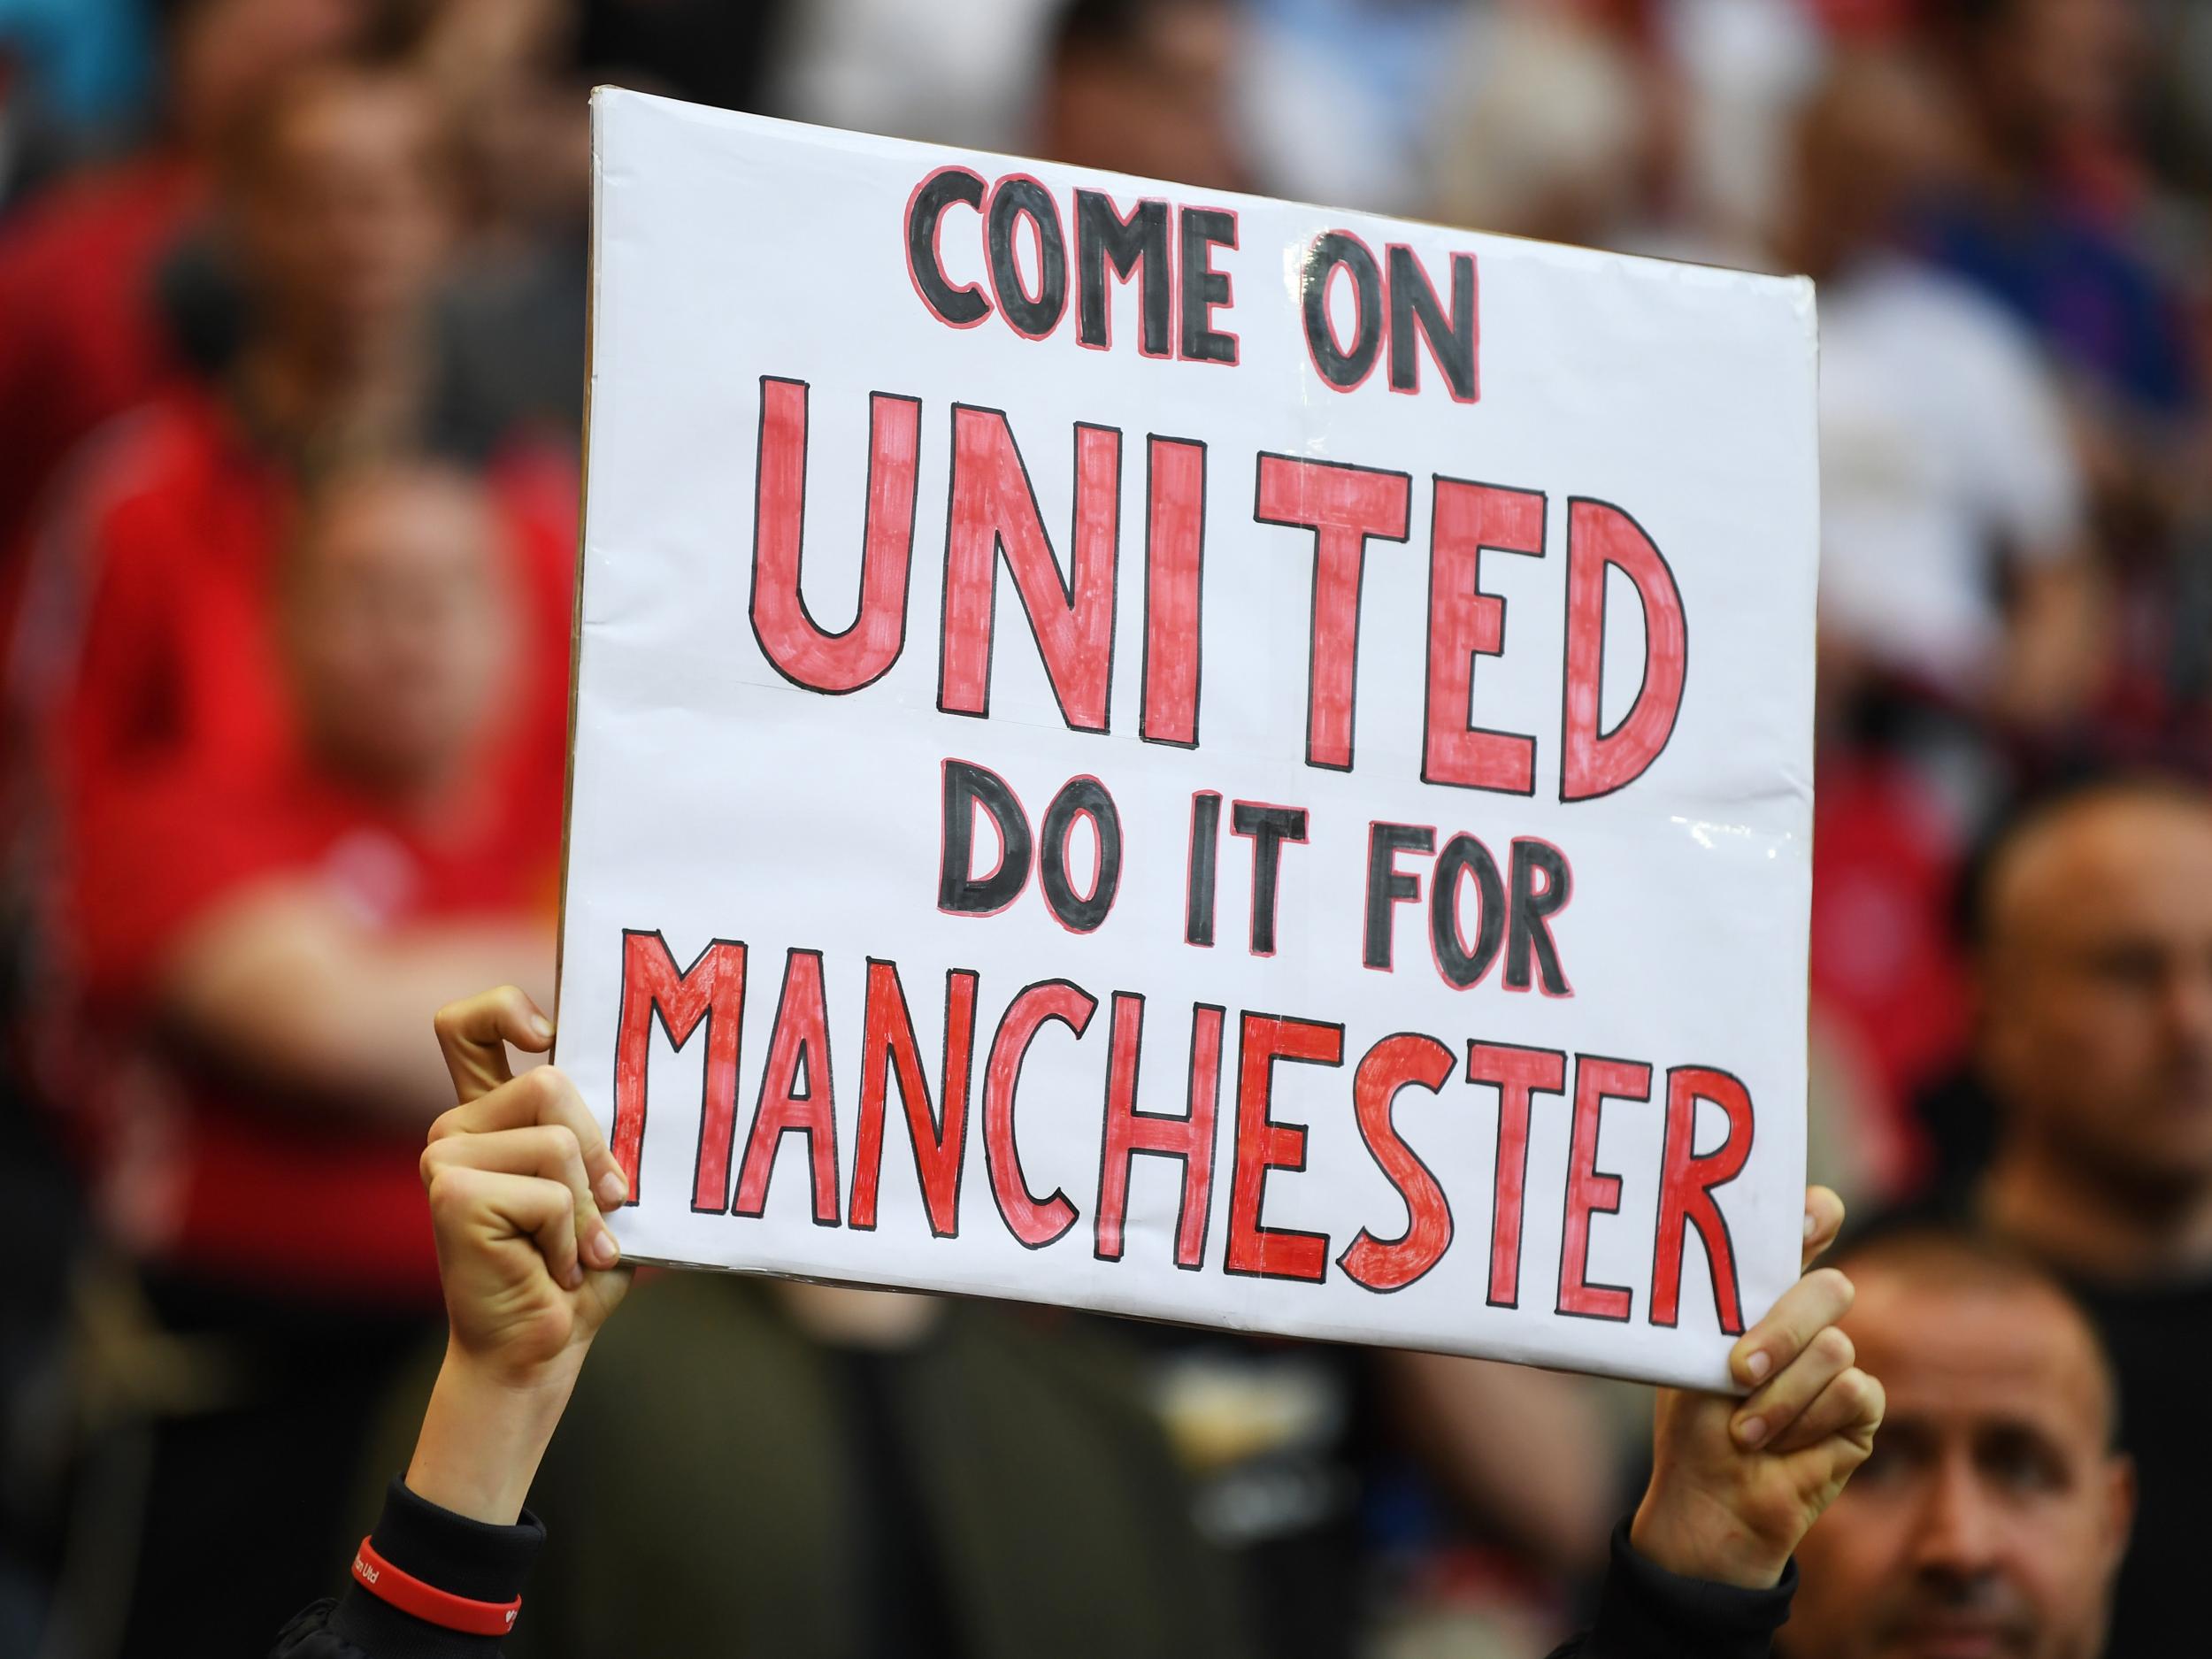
pixel 1158 108
pixel 397 626
pixel 226 53
pixel 345 225
pixel 2059 72
pixel 2098 989
pixel 1877 135
pixel 1991 1519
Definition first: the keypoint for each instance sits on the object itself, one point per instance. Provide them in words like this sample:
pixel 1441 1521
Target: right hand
pixel 518 1174
pixel 1736 1482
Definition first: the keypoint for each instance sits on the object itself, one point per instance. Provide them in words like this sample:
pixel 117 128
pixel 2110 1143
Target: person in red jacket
pixel 518 1177
pixel 256 938
pixel 85 338
pixel 146 633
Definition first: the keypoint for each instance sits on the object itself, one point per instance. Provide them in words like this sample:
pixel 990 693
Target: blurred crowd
pixel 292 299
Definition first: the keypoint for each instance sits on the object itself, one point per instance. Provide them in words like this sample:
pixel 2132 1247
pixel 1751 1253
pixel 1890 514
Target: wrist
pixel 483 1436
pixel 1698 1536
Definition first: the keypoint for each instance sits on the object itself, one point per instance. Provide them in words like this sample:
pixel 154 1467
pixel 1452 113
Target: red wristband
pixel 427 1602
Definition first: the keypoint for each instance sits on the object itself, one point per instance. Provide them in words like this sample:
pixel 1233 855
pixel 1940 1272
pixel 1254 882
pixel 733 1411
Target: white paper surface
pixel 715 798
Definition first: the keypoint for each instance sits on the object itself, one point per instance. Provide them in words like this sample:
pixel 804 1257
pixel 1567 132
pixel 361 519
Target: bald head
pixel 2095 971
pixel 1994 1513
pixel 1925 1268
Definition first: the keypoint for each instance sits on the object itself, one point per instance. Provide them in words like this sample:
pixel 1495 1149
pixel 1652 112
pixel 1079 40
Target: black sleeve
pixel 463 1557
pixel 1649 1613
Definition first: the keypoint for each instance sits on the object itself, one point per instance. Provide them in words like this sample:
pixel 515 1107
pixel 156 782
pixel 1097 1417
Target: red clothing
pixel 205 1172
pixel 82 337
pixel 153 609
pixel 1883 959
pixel 161 704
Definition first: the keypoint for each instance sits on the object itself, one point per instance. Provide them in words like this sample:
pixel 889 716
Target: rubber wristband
pixel 427 1602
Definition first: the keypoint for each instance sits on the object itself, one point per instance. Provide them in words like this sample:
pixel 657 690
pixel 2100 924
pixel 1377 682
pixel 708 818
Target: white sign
pixel 1188 755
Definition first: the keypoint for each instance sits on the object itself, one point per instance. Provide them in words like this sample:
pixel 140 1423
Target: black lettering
pixel 1136 246
pixel 1387 885
pixel 1081 797
pixel 959 891
pixel 1021 197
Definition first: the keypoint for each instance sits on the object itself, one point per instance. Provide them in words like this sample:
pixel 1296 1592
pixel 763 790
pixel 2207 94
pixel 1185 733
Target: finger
pixel 546 1149
pixel 545 1095
pixel 1851 1407
pixel 474 1034
pixel 1775 1406
pixel 464 1198
pixel 1824 1219
pixel 1820 1298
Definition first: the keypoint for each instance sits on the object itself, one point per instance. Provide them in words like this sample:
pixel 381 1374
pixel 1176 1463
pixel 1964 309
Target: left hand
pixel 1736 1483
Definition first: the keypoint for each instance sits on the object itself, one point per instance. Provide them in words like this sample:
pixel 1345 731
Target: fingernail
pixel 540 1026
pixel 604 1250
pixel 1758 1364
pixel 1751 1431
pixel 575 1279
pixel 612 1189
pixel 1809 1224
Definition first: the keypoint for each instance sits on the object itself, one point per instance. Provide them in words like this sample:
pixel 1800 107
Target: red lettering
pixel 994 511
pixel 1601 536
pixel 799 1045
pixel 1175 542
pixel 1465 623
pixel 798 647
pixel 1129 1131
pixel 1263 1144
pixel 712 990
pixel 889 1047
pixel 1395 1063
pixel 1589 1189
pixel 1344 506
pixel 1035 1222
pixel 1686 1191
pixel 1517 1073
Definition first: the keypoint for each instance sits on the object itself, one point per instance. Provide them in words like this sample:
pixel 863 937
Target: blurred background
pixel 291 366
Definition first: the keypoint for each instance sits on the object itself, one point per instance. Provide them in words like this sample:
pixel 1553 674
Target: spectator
pixel 1554 134
pixel 1958 587
pixel 171 539
pixel 1991 1516
pixel 1946 478
pixel 1143 86
pixel 2048 85
pixel 2094 962
pixel 1338 100
pixel 84 337
pixel 2054 219
pixel 946 76
pixel 255 939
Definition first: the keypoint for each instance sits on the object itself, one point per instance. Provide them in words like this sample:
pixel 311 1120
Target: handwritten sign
pixel 1188 755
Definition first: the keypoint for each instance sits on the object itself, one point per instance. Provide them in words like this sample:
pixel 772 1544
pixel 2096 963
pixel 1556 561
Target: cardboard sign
pixel 1190 755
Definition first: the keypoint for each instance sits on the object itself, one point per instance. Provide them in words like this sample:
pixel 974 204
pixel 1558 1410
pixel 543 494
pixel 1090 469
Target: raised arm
pixel 518 1175
pixel 1736 1483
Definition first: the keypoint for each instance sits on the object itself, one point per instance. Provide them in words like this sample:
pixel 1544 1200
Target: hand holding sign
pixel 1736 1483
pixel 517 1174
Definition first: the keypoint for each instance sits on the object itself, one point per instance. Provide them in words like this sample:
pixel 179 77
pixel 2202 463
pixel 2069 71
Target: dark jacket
pixel 1646 1613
